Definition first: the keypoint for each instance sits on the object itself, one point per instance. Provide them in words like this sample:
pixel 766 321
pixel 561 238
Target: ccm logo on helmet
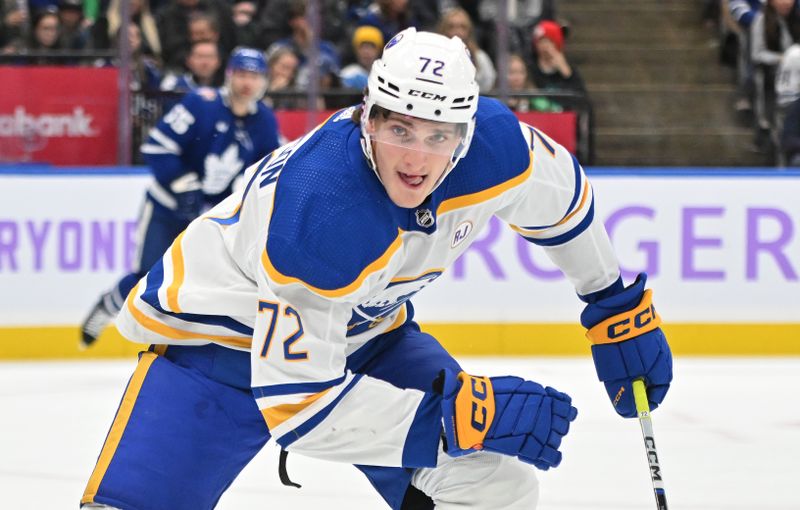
pixel 426 95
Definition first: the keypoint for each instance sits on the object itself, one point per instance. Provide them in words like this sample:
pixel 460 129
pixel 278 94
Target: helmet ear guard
pixel 424 75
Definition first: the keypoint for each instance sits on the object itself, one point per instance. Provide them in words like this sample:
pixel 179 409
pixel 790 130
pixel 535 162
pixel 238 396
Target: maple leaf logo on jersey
pixel 221 169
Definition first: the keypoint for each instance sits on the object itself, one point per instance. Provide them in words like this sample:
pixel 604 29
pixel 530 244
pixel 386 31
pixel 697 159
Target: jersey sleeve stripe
pixel 571 234
pixel 484 196
pixel 544 141
pixel 150 296
pixel 150 148
pixel 576 167
pixel 377 265
pixel 276 415
pixel 565 219
pixel 170 332
pixel 286 439
pixel 177 274
pixel 165 141
pixel 290 389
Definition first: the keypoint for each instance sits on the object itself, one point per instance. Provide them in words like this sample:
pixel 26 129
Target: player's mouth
pixel 412 181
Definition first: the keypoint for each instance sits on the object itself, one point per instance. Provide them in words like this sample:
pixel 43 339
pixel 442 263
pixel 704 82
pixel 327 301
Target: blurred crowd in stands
pixel 178 45
pixel 761 39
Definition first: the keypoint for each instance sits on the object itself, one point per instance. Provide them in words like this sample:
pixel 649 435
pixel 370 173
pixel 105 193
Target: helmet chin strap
pixel 367 149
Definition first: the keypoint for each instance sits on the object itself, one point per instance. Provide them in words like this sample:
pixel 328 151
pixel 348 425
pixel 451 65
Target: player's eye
pixel 398 130
pixel 437 138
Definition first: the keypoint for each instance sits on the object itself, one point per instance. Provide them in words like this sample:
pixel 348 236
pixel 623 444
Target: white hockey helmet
pixel 424 75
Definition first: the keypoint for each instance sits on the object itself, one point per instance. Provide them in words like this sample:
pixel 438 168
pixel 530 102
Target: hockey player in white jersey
pixel 285 311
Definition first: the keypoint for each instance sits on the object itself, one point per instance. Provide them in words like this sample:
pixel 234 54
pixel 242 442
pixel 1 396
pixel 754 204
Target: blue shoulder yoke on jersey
pixel 497 154
pixel 331 217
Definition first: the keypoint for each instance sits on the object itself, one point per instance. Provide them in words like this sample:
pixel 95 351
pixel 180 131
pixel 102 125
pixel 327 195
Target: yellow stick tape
pixel 514 339
pixel 640 397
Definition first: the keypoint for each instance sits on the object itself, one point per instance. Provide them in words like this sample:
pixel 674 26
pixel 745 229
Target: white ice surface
pixel 728 438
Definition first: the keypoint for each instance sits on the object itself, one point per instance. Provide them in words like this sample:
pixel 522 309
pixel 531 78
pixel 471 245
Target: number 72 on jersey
pixel 280 318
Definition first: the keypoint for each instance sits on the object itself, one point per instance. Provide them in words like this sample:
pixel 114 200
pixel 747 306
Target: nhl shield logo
pixel 424 218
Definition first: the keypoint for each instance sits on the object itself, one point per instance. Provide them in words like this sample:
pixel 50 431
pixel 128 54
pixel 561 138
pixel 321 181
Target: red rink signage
pixel 58 115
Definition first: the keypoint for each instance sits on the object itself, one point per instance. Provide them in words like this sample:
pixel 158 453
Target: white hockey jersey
pixel 312 261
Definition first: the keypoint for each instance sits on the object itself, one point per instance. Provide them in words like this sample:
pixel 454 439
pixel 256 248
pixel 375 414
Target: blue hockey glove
pixel 188 194
pixel 506 415
pixel 628 344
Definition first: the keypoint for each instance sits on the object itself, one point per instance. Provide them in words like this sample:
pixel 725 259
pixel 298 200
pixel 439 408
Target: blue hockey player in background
pixel 196 153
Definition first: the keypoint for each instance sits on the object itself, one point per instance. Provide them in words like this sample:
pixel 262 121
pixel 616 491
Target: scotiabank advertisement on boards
pixel 58 115
pixel 722 249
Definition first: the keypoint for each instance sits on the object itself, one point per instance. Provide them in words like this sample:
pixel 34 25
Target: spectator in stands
pixel 244 13
pixel 550 70
pixel 523 15
pixel 74 34
pixel 456 22
pixel 367 45
pixel 145 70
pixel 742 13
pixel 173 27
pixel 301 41
pixel 787 82
pixel 281 73
pixel 389 16
pixel 275 14
pixel 145 78
pixel 203 27
pixel 45 30
pixel 519 83
pixel 107 26
pixel 790 135
pixel 202 70
pixel 14 27
pixel 773 30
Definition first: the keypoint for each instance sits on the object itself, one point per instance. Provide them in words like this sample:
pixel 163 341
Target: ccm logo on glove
pixel 627 325
pixel 474 410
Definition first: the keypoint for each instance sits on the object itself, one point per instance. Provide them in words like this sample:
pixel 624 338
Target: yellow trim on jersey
pixel 118 427
pixel 160 349
pixel 418 277
pixel 377 265
pixel 485 195
pixel 176 334
pixel 566 218
pixel 177 274
pixel 398 321
pixel 276 415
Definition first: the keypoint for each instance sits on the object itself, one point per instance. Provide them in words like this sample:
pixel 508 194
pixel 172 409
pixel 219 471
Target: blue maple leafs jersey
pixel 311 264
pixel 202 135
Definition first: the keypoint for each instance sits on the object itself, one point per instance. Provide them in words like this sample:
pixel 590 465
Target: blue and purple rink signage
pixel 720 246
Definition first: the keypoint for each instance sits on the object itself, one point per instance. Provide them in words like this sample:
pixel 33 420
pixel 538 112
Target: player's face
pixel 411 155
pixel 203 61
pixel 247 84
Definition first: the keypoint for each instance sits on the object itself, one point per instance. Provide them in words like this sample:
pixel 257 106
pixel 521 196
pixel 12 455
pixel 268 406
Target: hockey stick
pixel 643 408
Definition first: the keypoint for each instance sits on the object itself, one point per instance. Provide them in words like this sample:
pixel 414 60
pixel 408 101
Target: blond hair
pixel 147 23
